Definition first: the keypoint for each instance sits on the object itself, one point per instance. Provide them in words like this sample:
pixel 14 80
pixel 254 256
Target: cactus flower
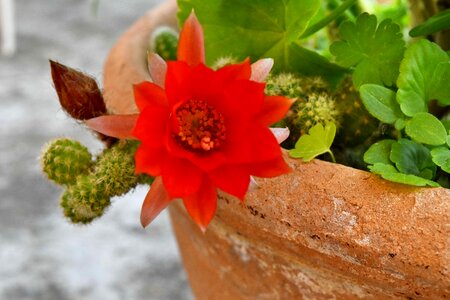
pixel 200 130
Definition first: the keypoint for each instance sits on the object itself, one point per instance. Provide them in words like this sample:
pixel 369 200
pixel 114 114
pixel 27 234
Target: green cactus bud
pixel 224 61
pixel 63 160
pixel 84 201
pixel 114 169
pixel 164 42
pixel 284 84
pixel 315 109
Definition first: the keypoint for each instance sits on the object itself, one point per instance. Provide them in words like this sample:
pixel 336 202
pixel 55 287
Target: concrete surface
pixel 42 256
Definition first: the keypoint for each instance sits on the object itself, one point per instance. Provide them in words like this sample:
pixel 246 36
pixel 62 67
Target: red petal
pixel 149 160
pixel 149 94
pixel 156 200
pixel 270 168
pixel 261 69
pixel 235 71
pixel 180 177
pixel 274 109
pixel 202 205
pixel 178 82
pixel 118 126
pixel 254 143
pixel 157 68
pixel 152 125
pixel 191 47
pixel 231 179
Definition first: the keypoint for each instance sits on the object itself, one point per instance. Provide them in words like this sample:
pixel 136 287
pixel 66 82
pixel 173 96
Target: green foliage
pixel 63 160
pixel 390 173
pixel 379 152
pixel 427 129
pixel 164 42
pixel 436 23
pixel 412 158
pixel 424 75
pixel 380 102
pixel 441 157
pixel 402 161
pixel 84 201
pixel 374 52
pixel 318 141
pixel 258 29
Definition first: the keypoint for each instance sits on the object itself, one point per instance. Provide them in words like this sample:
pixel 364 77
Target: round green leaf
pixel 412 158
pixel 381 103
pixel 441 157
pixel 427 129
pixel 379 152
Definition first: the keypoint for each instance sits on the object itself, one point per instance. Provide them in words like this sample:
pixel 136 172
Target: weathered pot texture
pixel 324 231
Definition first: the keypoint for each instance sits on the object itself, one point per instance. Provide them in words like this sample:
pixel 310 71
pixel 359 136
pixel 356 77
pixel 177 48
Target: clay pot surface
pixel 324 231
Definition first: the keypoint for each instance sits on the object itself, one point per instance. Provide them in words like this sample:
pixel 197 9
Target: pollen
pixel 200 126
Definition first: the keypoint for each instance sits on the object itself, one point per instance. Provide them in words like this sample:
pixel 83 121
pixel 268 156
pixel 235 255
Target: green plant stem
pixel 328 19
pixel 332 156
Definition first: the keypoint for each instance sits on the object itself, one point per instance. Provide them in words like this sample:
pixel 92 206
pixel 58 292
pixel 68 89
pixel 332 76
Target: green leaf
pixel 448 140
pixel 380 102
pixel 375 52
pixel 379 152
pixel 390 173
pixel 441 157
pixel 258 29
pixel 412 158
pixel 434 24
pixel 424 75
pixel 318 141
pixel 427 129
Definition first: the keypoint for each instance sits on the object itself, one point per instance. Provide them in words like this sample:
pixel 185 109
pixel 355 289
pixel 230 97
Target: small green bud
pixel 224 61
pixel 63 160
pixel 315 109
pixel 84 201
pixel 164 42
pixel 114 169
pixel 284 84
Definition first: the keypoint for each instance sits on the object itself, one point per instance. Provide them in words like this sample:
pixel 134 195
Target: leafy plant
pixel 264 28
pixel 374 51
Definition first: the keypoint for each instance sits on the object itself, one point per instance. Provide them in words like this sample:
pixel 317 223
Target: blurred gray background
pixel 42 256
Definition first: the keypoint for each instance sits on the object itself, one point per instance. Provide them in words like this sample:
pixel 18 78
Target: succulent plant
pixel 357 124
pixel 164 42
pixel 114 169
pixel 63 160
pixel 85 200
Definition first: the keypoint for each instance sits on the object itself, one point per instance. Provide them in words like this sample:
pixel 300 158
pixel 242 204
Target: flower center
pixel 200 126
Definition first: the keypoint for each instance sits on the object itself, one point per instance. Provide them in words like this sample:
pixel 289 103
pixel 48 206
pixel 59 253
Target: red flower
pixel 200 129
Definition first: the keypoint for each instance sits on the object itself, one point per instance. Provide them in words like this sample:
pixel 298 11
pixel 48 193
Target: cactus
pixel 114 169
pixel 84 201
pixel 315 108
pixel 357 124
pixel 314 104
pixel 284 84
pixel 224 61
pixel 164 42
pixel 63 160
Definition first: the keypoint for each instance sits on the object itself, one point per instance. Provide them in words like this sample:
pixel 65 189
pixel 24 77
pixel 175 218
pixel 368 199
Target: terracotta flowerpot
pixel 323 231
